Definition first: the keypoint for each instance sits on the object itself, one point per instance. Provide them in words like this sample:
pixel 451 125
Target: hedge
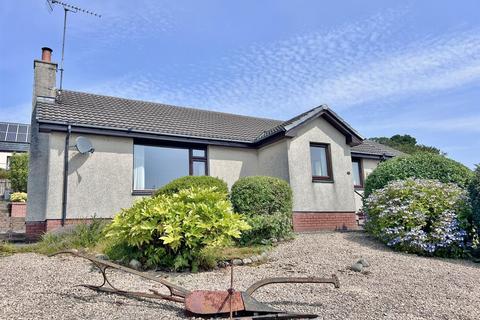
pixel 18 172
pixel 420 166
pixel 193 181
pixel 475 197
pixel 267 204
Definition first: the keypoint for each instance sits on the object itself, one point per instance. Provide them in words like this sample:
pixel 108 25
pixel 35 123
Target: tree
pixel 407 144
pixel 18 172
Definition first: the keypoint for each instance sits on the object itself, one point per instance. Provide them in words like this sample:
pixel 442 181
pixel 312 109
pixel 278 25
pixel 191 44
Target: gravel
pixel 394 286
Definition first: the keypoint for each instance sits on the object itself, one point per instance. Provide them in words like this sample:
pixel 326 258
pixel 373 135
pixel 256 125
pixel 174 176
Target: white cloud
pixel 345 67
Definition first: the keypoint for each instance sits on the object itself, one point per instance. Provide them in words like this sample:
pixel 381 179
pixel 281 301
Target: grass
pixel 229 253
pixel 210 256
pixel 83 236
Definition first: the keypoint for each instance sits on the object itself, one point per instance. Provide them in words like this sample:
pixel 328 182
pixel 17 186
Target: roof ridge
pixel 173 106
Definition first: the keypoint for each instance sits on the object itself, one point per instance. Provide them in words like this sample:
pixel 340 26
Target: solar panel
pixel 14 132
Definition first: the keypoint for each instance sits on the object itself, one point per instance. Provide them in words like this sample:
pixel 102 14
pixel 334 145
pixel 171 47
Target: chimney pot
pixel 47 54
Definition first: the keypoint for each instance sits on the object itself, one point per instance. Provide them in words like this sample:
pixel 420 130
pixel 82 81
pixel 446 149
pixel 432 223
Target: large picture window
pixel 357 172
pixel 155 166
pixel 321 162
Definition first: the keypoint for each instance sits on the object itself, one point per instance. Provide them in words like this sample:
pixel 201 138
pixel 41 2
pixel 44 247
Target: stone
pixel 254 258
pixel 357 267
pixel 363 262
pixel 237 262
pixel 135 264
pixel 94 268
pixel 101 256
pixel 247 261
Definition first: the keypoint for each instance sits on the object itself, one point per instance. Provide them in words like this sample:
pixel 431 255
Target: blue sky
pixel 386 67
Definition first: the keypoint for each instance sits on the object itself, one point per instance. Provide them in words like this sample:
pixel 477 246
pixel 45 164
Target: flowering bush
pixel 421 216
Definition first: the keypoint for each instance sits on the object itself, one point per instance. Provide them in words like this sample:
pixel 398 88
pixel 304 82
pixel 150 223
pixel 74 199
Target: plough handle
pixel 174 289
pixel 333 280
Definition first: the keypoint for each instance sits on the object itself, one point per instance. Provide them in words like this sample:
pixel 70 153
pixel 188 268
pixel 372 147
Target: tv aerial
pixel 66 8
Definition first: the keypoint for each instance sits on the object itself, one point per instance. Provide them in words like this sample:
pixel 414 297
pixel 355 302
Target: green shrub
pixel 172 230
pixel 18 197
pixel 18 172
pixel 475 197
pixel 267 204
pixel 193 181
pixel 420 166
pixel 421 216
pixel 3 174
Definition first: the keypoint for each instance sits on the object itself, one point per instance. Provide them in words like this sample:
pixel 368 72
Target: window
pixel 155 166
pixel 198 165
pixel 357 172
pixel 321 162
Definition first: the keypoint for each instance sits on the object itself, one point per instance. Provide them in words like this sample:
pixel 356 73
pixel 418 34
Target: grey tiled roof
pixel 374 148
pixel 13 146
pixel 110 112
pixel 92 110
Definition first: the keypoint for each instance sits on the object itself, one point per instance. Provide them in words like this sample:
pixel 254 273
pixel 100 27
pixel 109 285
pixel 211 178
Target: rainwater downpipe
pixel 65 175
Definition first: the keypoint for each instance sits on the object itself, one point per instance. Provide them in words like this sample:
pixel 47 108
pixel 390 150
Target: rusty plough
pixel 206 303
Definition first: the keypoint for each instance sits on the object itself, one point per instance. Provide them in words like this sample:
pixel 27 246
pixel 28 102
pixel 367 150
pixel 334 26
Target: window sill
pixel 143 192
pixel 358 187
pixel 322 180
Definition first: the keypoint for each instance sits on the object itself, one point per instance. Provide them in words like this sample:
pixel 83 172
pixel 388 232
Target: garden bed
pixel 395 286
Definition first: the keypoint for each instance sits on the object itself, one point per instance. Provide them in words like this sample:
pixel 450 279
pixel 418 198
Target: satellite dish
pixel 84 145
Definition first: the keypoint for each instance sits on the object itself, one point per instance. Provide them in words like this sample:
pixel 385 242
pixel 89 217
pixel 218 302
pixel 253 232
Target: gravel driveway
pixel 395 286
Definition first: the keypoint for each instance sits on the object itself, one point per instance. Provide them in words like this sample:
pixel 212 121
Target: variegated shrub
pixel 172 230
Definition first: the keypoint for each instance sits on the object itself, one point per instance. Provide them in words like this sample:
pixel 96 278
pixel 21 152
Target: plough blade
pixel 239 305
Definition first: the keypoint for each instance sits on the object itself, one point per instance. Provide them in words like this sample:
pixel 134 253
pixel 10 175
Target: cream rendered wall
pixel 316 196
pixel 230 164
pixel 368 166
pixel 3 159
pixel 273 160
pixel 98 184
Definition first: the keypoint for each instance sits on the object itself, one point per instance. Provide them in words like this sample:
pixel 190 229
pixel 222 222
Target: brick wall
pixel 8 222
pixel 35 229
pixel 318 221
pixel 18 209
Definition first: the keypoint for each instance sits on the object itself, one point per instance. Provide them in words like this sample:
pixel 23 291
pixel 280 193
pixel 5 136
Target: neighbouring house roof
pixel 92 110
pixel 370 147
pixel 14 137
pixel 14 147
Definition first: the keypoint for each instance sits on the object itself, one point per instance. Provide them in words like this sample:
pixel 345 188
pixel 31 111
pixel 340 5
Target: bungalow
pixel 140 146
